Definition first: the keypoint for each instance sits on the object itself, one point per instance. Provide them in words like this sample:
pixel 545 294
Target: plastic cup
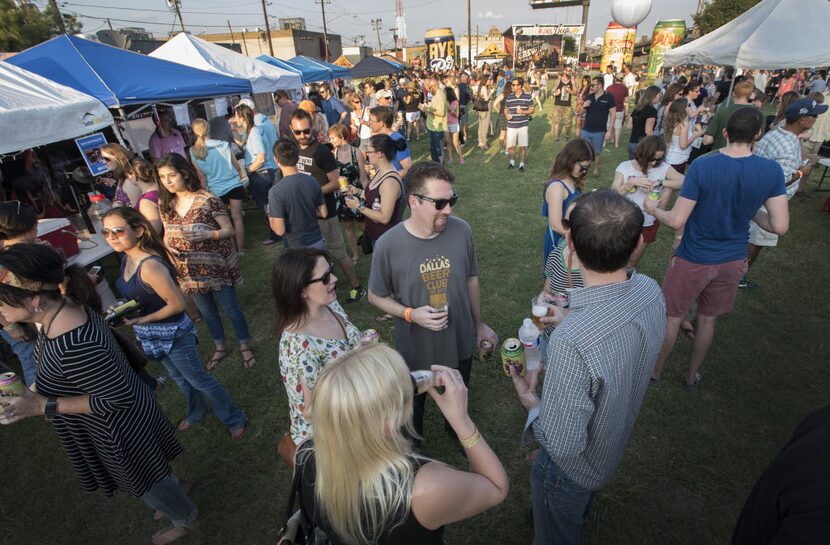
pixel 539 309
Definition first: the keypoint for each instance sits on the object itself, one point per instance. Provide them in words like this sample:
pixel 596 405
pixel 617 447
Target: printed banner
pixel 90 147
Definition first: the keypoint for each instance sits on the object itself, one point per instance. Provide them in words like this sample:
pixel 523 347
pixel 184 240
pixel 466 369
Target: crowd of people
pixel 333 177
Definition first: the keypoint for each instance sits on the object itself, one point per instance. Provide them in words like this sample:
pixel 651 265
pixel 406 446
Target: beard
pixel 440 223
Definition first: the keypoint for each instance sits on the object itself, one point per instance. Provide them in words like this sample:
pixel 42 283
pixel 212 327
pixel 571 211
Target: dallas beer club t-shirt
pixel 415 271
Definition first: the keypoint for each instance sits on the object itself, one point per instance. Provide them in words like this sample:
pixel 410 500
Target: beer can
pixel 485 349
pixel 11 385
pixel 422 381
pixel 513 355
pixel 370 336
pixel 344 183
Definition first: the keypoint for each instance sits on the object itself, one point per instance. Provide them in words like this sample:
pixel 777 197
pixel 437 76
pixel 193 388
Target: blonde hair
pixel 122 157
pixel 364 463
pixel 201 129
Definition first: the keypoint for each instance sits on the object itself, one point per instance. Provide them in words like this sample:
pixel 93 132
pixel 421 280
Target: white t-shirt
pixel 631 169
pixel 607 80
pixel 675 155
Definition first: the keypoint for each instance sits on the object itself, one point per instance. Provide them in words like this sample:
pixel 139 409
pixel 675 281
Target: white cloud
pixel 490 15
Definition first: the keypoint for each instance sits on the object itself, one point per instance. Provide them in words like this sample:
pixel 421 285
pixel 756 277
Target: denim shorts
pixel 597 139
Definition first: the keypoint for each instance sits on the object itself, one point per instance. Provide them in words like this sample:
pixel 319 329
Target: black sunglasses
pixel 583 168
pixel 657 160
pixel 440 204
pixel 325 279
pixel 301 131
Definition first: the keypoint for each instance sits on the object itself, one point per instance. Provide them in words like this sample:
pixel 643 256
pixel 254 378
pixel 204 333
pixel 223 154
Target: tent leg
pixel 731 87
pixel 130 136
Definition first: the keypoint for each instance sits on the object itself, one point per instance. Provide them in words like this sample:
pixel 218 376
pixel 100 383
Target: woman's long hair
pixel 16 219
pixel 645 151
pixel 291 274
pixel 362 414
pixel 182 166
pixel 647 97
pixel 149 241
pixel 201 129
pixel 143 170
pixel 42 263
pixel 577 150
pixel 669 95
pixel 784 102
pixel 674 117
pixel 122 158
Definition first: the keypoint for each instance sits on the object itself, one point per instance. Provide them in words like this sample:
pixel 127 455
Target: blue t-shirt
pixel 218 167
pixel 399 155
pixel 269 137
pixel 333 109
pixel 254 145
pixel 728 193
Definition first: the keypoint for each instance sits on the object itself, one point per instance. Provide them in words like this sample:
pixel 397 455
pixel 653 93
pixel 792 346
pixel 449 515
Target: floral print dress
pixel 305 356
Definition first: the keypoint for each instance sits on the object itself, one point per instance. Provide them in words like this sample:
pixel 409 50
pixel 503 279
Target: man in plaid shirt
pixel 783 146
pixel 600 358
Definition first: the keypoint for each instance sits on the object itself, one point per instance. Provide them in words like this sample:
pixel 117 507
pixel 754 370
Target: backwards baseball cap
pixel 247 102
pixel 805 107
pixel 383 93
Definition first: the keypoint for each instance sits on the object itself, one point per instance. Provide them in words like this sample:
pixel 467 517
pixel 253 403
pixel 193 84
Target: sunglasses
pixel 583 168
pixel 18 206
pixel 325 279
pixel 107 159
pixel 657 160
pixel 440 204
pixel 301 131
pixel 117 232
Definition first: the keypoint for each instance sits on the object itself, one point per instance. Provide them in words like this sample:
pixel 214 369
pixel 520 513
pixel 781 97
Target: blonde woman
pixel 117 159
pixel 361 481
pixel 221 174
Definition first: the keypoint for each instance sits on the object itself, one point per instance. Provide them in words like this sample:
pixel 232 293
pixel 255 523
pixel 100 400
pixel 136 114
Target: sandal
pixel 169 535
pixel 248 362
pixel 218 355
pixel 183 426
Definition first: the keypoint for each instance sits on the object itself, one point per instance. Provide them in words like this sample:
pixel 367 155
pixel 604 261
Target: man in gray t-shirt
pixel 295 202
pixel 425 273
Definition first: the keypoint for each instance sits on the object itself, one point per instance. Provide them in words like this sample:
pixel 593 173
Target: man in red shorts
pixel 720 194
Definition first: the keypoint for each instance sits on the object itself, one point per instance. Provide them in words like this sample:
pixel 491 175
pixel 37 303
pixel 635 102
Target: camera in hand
pixel 123 309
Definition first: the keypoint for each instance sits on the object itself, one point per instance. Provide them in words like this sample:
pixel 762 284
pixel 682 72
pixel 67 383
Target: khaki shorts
pixel 561 113
pixel 759 237
pixel 618 120
pixel 335 245
pixel 516 137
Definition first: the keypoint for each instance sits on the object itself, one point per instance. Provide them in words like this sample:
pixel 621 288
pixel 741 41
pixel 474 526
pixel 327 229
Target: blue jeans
pixel 631 147
pixel 560 506
pixel 168 497
pixel 597 139
pixel 226 297
pixel 259 185
pixel 436 145
pixel 25 352
pixel 199 387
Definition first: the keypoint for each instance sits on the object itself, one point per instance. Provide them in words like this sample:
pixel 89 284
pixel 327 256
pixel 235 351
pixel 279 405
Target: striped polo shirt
pixel 513 104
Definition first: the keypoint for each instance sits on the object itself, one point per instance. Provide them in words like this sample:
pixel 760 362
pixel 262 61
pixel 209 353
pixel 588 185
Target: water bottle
pixel 529 336
pixel 100 206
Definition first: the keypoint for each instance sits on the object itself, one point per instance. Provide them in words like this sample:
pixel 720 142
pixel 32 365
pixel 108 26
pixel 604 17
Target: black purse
pixel 298 529
pixel 365 244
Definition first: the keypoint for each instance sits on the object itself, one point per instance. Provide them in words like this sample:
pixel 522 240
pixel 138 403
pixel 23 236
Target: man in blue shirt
pixel 720 194
pixel 600 113
pixel 333 109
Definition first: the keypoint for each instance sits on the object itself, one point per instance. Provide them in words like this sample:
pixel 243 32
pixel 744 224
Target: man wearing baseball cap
pixel 783 146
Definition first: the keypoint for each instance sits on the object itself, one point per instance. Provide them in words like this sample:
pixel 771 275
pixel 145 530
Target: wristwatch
pixel 361 208
pixel 51 408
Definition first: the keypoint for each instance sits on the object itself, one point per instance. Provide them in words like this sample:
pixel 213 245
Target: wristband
pixel 216 234
pixel 472 441
pixel 678 237
pixel 407 314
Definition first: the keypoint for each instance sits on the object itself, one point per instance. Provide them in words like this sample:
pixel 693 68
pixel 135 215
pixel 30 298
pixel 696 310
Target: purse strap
pixel 339 322
pixel 292 497
pixel 568 265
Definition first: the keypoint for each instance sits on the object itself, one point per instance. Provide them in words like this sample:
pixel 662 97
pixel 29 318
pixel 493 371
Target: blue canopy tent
pixel 372 66
pixel 308 73
pixel 336 71
pixel 118 77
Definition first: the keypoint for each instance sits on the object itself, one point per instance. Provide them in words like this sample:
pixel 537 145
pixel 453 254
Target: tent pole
pixel 130 135
pixel 118 136
pixel 731 87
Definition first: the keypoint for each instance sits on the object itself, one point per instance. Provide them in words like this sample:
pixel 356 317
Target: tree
pixel 569 45
pixel 719 12
pixel 25 25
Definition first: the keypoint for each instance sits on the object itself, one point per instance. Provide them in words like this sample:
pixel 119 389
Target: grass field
pixel 690 463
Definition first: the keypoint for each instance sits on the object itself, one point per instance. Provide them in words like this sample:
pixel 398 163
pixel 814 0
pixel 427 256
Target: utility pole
pixel 58 16
pixel 267 28
pixel 325 29
pixel 469 39
pixel 109 23
pixel 175 5
pixel 585 5
pixel 376 24
pixel 231 31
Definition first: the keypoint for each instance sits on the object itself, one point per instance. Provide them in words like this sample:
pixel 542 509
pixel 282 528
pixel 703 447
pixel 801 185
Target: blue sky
pixel 351 18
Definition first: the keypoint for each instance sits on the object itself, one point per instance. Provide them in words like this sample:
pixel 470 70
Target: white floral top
pixel 305 356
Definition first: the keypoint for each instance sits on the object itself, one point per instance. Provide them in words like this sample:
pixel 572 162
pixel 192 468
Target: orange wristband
pixel 407 314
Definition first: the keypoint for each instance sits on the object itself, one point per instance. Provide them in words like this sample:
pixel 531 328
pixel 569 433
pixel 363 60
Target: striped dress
pixel 127 442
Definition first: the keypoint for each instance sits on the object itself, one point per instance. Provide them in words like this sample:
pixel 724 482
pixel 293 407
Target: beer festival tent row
pixel 337 72
pixel 773 34
pixel 50 112
pixel 197 53
pixel 372 66
pixel 308 73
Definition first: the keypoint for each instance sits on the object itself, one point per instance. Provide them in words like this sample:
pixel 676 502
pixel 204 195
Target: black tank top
pixel 409 533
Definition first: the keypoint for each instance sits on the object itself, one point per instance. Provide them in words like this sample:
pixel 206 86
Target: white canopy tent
pixel 197 53
pixel 773 34
pixel 35 111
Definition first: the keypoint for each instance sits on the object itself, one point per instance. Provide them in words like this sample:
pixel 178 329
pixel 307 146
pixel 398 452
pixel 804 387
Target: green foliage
pixel 22 26
pixel 719 12
pixel 569 45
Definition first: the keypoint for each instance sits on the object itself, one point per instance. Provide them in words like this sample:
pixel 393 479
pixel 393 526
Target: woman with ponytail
pixel 164 329
pixel 143 175
pixel 221 174
pixel 115 434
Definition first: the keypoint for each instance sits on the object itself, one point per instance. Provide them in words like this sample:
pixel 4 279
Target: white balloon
pixel 629 13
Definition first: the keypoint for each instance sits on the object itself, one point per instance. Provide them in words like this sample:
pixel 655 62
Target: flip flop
pixel 218 355
pixel 249 361
pixel 169 535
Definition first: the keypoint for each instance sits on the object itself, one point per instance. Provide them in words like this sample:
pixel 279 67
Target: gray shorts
pixel 333 236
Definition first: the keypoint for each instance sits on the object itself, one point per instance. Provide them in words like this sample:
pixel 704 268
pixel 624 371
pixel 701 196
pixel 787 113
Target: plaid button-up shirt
pixel 599 363
pixel 784 148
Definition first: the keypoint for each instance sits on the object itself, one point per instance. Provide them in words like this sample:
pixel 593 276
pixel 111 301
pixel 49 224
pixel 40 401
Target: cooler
pixel 60 234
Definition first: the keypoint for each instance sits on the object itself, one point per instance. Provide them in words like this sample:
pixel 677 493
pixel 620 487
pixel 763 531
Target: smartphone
pixel 805 162
pixel 96 271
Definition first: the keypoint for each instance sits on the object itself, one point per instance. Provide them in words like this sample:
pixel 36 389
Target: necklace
pixel 44 335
